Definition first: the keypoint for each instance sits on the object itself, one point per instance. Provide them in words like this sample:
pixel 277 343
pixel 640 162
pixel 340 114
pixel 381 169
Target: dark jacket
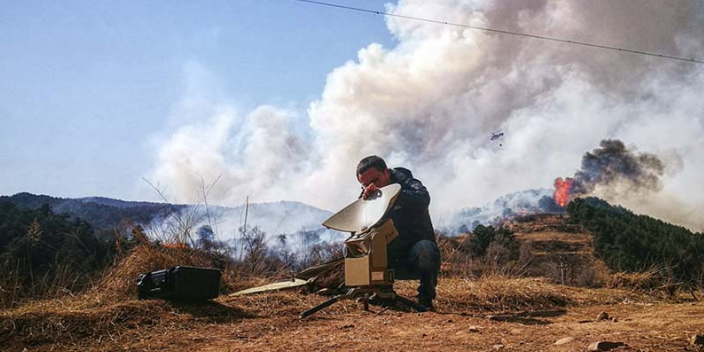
pixel 410 211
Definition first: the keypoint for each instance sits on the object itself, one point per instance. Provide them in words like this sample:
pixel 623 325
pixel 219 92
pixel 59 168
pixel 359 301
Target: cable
pixel 527 35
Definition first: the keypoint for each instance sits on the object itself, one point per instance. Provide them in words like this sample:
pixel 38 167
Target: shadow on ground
pixel 211 311
pixel 528 318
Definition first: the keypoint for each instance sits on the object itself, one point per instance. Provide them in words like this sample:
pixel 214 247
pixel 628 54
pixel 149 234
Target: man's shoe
pixel 427 303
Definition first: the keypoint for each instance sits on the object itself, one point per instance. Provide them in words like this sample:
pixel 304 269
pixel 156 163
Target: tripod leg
pixel 321 306
pixel 408 302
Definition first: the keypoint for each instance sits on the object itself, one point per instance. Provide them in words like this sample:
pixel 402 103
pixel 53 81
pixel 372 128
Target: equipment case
pixel 180 283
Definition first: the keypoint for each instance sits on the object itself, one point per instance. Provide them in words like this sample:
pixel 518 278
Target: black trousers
pixel 419 261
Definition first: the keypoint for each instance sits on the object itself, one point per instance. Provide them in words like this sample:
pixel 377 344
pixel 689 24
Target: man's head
pixel 372 169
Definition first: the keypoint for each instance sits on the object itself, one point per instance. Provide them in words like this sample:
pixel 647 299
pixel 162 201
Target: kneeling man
pixel 414 253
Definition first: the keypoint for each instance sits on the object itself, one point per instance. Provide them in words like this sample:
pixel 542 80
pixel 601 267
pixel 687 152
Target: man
pixel 414 253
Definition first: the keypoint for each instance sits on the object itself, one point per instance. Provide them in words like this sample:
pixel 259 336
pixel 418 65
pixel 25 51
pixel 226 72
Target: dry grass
pixel 655 283
pixel 110 309
pixel 119 281
pixel 501 294
pixel 50 323
pixel 72 321
pixel 634 281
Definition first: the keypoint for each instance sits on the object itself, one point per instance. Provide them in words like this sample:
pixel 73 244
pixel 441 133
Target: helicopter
pixel 495 136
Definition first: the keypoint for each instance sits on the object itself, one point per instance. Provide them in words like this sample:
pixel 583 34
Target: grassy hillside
pixel 639 243
pixel 101 213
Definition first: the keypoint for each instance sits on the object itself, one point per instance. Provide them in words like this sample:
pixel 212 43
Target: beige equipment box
pixel 365 256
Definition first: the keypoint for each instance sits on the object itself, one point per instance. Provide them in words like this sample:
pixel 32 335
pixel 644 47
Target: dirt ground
pixel 641 328
pixel 495 314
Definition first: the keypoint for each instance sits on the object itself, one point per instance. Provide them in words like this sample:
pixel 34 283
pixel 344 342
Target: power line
pixel 526 35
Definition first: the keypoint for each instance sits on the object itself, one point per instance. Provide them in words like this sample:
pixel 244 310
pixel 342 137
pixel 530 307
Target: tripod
pixel 366 293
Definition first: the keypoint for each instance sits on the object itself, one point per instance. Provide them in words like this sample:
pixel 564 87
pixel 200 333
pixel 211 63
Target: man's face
pixel 372 175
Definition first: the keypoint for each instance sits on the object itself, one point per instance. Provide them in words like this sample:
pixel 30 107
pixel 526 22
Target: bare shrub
pixel 496 258
pixel 284 253
pixel 526 255
pixel 255 251
pixel 456 259
pixel 463 257
pixel 309 239
pixel 588 278
pixel 325 252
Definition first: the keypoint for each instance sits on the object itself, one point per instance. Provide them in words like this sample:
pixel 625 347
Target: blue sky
pixel 85 85
pixel 279 99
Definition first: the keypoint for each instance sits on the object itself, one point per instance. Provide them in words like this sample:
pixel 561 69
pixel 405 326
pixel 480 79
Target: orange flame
pixel 562 191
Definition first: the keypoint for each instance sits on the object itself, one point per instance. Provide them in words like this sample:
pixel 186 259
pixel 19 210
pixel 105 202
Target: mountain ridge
pixel 107 213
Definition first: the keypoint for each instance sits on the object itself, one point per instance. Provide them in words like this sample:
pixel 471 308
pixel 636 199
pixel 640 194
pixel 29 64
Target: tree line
pixel 42 251
pixel 638 243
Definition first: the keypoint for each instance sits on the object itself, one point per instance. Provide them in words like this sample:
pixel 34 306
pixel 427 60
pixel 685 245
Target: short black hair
pixel 371 162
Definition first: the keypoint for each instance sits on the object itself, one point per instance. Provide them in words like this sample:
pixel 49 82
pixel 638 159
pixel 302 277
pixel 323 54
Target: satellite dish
pixel 364 213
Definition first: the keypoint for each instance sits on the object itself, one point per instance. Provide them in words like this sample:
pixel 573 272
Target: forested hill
pixel 631 242
pixel 106 213
pixel 101 213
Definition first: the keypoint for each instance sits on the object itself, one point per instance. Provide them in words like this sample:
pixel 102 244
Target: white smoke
pixel 431 102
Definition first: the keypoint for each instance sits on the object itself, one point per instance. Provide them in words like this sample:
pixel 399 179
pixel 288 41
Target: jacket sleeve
pixel 414 196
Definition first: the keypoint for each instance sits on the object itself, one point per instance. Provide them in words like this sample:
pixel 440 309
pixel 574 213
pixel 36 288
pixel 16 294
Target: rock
pixel 604 346
pixel 473 329
pixel 498 346
pixel 614 320
pixel 602 316
pixel 565 340
pixel 697 340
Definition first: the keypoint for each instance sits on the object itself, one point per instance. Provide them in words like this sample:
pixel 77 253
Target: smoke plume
pixel 610 165
pixel 431 102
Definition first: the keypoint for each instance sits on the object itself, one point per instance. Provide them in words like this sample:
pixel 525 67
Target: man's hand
pixel 369 191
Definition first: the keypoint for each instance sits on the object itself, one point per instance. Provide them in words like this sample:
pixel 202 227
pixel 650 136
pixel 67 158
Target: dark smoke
pixel 612 163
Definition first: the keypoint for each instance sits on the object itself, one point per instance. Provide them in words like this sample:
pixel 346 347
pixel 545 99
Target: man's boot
pixel 426 302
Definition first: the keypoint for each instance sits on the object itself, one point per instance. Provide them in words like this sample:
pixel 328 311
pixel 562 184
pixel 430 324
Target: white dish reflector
pixel 363 214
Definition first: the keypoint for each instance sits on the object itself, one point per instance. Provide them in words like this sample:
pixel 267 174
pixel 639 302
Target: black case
pixel 180 283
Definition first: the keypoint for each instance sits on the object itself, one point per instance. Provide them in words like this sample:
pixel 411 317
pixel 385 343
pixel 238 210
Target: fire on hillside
pixel 609 167
pixel 562 191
